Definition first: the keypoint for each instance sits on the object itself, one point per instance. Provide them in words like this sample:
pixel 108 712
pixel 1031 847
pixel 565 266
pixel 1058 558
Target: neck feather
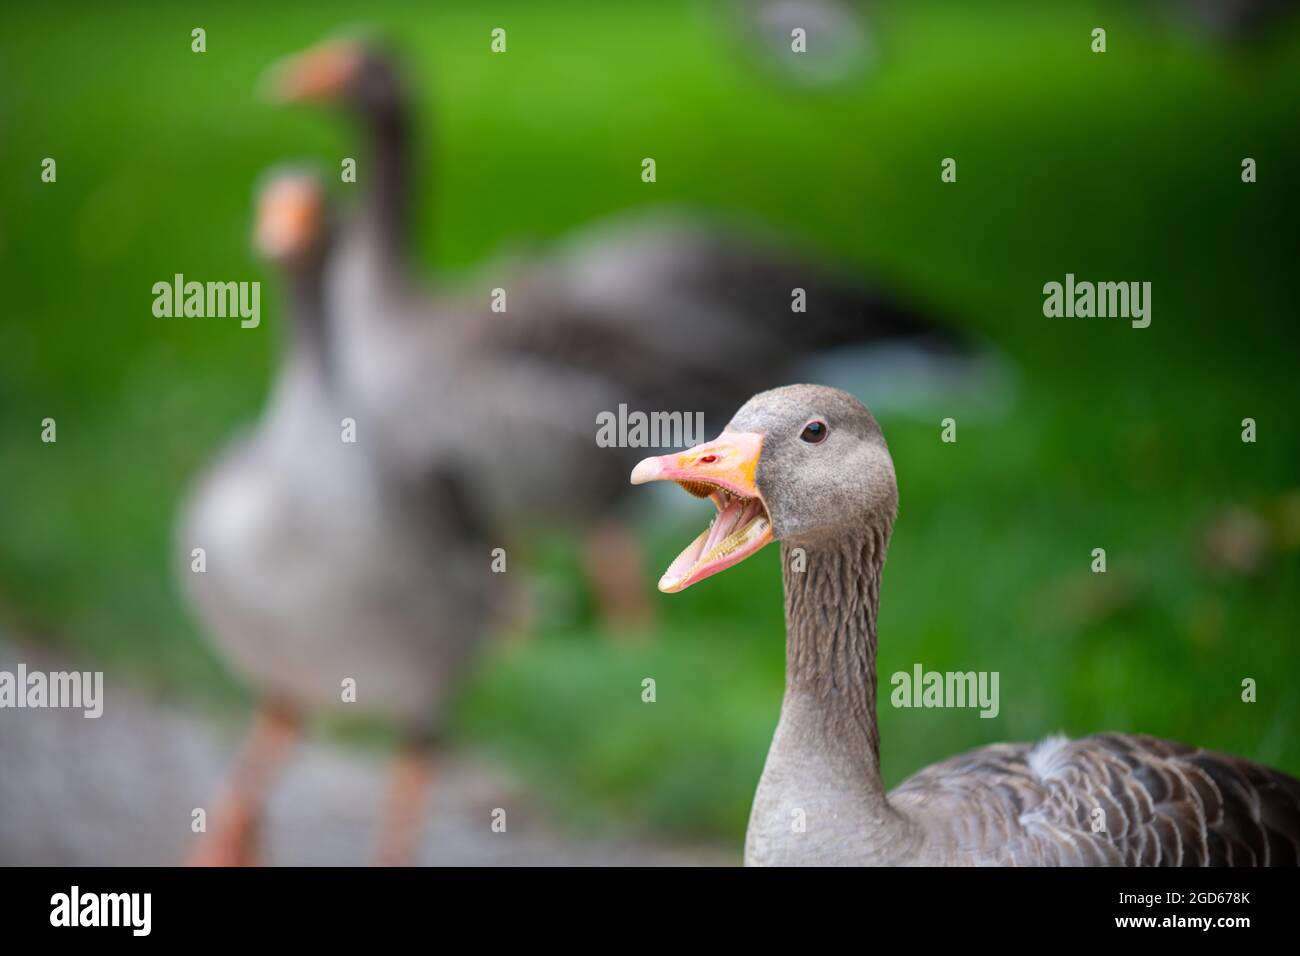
pixel 306 305
pixel 830 618
pixel 390 181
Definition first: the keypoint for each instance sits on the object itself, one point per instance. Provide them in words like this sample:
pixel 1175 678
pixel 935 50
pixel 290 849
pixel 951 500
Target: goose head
pixel 804 464
pixel 290 222
pixel 347 70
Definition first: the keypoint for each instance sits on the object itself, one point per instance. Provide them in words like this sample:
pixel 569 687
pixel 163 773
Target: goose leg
pixel 616 568
pixel 401 823
pixel 233 838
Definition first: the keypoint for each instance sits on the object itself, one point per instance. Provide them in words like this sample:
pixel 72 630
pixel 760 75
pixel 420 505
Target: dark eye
pixel 814 433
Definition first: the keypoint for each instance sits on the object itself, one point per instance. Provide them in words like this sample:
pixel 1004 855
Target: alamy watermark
pixel 637 429
pixel 939 689
pixel 1104 300
pixel 212 300
pixel 78 690
pixel 130 910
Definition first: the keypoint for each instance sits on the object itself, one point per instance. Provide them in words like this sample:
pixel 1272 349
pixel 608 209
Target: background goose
pixel 319 569
pixel 657 313
pixel 808 466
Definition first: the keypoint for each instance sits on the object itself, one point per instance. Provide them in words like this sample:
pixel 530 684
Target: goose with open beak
pixel 808 466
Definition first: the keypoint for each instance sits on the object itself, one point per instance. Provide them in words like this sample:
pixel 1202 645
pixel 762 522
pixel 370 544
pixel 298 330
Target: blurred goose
pixel 816 43
pixel 808 466
pixel 1239 22
pixel 320 571
pixel 657 313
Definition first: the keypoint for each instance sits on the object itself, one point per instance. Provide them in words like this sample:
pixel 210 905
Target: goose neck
pixel 832 593
pixel 306 305
pixel 390 182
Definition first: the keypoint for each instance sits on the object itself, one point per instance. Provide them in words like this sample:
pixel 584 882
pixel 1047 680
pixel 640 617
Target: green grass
pixel 1121 166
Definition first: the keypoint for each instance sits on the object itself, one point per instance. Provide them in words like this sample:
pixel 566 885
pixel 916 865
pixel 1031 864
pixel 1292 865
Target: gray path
pixel 119 790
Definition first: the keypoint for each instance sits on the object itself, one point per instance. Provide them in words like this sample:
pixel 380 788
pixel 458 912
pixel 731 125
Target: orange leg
pixel 401 824
pixel 232 839
pixel 616 568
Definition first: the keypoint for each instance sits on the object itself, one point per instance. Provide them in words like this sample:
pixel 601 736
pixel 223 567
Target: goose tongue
pixel 739 529
pixel 730 516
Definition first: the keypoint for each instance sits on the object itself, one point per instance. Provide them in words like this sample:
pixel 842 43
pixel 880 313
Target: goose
pixel 655 312
pixel 834 42
pixel 807 466
pixel 326 586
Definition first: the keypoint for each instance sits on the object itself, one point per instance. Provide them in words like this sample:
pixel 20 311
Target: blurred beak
pixel 320 74
pixel 724 471
pixel 288 218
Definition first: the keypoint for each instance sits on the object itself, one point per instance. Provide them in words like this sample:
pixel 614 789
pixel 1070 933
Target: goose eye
pixel 814 432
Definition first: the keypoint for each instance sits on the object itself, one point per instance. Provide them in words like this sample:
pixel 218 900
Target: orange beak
pixel 289 216
pixel 321 74
pixel 723 470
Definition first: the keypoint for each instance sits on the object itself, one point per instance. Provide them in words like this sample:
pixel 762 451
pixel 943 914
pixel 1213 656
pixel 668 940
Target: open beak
pixel 320 74
pixel 722 470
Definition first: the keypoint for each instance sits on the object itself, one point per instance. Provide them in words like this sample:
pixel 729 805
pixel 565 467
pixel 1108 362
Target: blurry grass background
pixel 1122 166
